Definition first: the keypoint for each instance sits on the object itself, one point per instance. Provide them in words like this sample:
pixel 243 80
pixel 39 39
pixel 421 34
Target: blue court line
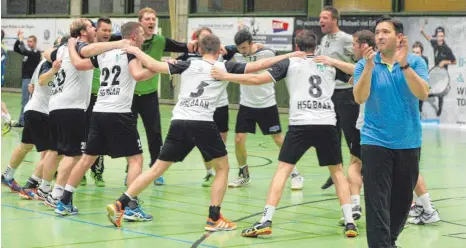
pixel 110 227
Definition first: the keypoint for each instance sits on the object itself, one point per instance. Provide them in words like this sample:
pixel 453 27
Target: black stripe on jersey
pixel 235 67
pixel 94 61
pixel 130 57
pixel 80 46
pixel 279 70
pixel 45 67
pixel 179 67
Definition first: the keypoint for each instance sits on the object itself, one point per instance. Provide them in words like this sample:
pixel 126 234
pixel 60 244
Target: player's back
pixel 310 86
pixel 41 95
pixel 117 86
pixel 199 92
pixel 71 87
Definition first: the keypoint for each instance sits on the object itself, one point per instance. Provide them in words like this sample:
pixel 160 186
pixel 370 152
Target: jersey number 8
pixel 315 90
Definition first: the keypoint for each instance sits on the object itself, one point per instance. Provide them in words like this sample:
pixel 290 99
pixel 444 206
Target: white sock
pixel 355 200
pixel 242 166
pixel 70 188
pixel 131 198
pixel 268 213
pixel 416 200
pixel 45 186
pixel 347 213
pixel 426 203
pixel 57 191
pixel 9 173
pixel 211 171
pixel 6 117
pixel 294 172
pixel 38 179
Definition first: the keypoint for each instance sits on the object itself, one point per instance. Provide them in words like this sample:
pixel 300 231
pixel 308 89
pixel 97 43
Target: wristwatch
pixel 405 67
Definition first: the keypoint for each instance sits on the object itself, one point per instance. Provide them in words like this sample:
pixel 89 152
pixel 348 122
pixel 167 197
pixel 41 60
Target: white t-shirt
pixel 40 97
pixel 257 96
pixel 199 92
pixel 311 87
pixel 117 86
pixel 71 88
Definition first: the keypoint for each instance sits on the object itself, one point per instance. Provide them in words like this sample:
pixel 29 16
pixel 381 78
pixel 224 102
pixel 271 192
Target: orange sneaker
pixel 221 224
pixel 115 212
pixel 28 194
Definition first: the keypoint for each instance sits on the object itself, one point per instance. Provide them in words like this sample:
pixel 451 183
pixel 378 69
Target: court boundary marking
pixel 205 236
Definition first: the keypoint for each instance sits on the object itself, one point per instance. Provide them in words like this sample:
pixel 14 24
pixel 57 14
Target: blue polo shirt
pixel 391 116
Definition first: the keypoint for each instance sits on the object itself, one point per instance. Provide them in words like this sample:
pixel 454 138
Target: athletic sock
pixel 214 212
pixel 244 171
pixel 269 210
pixel 124 200
pixel 9 173
pixel 426 203
pixel 211 171
pixel 355 200
pixel 57 191
pixel 67 194
pixel 45 186
pixel 347 213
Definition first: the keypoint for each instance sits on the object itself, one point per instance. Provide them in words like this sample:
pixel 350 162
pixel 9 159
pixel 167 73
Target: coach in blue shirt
pixel 390 82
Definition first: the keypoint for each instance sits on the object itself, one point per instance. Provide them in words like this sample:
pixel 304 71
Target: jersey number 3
pixel 200 89
pixel 116 70
pixel 315 90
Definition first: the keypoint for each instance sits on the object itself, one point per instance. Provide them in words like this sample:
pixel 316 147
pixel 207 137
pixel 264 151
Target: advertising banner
pixel 447 99
pixel 274 33
pixel 46 29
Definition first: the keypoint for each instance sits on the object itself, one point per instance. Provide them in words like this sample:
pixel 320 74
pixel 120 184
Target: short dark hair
pixel 242 36
pixel 103 19
pixel 419 44
pixel 306 41
pixel 199 31
pixel 210 44
pixel 129 28
pixel 33 37
pixel 439 30
pixel 365 37
pixel 397 25
pixel 333 10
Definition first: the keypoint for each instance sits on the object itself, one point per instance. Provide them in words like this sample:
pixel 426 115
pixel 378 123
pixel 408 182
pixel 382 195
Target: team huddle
pixel 73 123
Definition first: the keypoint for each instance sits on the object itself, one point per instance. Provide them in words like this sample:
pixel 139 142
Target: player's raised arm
pixel 47 73
pixel 268 62
pixel 277 72
pixel 148 61
pixel 137 72
pixel 77 61
pixel 101 47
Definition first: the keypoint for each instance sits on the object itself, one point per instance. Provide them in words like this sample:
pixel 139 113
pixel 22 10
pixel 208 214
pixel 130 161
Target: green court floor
pixel 308 218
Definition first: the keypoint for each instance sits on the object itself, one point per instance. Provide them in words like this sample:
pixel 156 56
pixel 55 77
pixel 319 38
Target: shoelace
pixel 99 177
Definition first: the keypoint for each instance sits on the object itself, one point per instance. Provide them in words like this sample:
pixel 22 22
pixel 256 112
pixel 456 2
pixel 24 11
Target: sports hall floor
pixel 308 218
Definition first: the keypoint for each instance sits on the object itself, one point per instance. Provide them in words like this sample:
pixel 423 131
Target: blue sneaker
pixel 159 181
pixel 136 214
pixel 64 210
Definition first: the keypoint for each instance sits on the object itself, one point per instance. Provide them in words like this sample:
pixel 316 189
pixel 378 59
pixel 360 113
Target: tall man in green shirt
pixel 146 101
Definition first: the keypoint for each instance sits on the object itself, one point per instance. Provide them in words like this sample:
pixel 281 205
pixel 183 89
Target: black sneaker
pixel 258 229
pixel 327 184
pixel 351 230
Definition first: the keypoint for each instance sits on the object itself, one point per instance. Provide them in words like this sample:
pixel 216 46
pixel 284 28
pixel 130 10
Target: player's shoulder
pixel 413 58
pixel 266 51
pixel 345 36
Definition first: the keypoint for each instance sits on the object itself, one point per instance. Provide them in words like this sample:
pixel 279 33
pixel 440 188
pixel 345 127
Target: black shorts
pixel 36 130
pixel 347 111
pixel 221 117
pixel 299 139
pixel 267 118
pixel 355 147
pixel 67 131
pixel 184 135
pixel 113 134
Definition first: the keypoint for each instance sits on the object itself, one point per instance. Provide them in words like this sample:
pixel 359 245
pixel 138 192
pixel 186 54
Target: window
pixel 160 6
pixel 279 6
pixel 363 5
pixel 209 6
pixel 434 5
pixel 17 7
pixel 98 7
pixel 52 6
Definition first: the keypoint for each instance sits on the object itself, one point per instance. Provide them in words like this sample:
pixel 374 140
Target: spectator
pixel 30 62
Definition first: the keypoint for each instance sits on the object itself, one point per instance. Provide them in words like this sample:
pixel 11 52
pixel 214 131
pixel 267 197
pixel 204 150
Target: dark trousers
pixel 98 166
pixel 347 112
pixel 389 180
pixel 148 107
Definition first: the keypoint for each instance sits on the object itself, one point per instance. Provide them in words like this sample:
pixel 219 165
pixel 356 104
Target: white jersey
pixel 199 92
pixel 311 87
pixel 71 87
pixel 116 90
pixel 39 100
pixel 338 46
pixel 360 120
pixel 223 99
pixel 257 96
